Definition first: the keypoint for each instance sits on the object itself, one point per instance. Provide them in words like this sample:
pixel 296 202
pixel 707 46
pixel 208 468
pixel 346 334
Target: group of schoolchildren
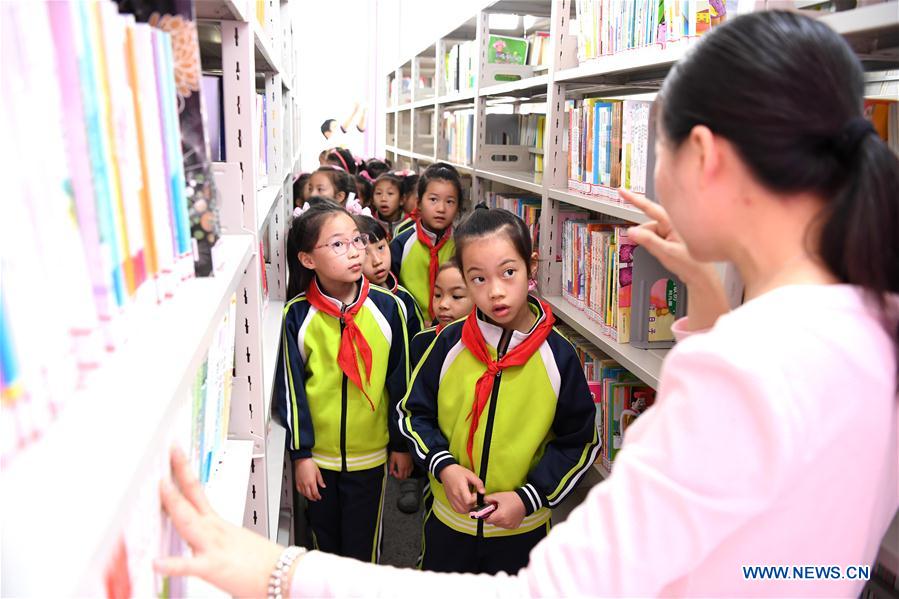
pixel 411 347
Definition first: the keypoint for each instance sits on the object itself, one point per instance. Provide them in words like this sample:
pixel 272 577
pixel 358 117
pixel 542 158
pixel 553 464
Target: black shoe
pixel 410 496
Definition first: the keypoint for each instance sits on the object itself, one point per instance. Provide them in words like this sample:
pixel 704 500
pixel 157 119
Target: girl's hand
pixel 400 464
pixel 234 559
pixel 308 478
pixel 458 483
pixel 707 298
pixel 509 510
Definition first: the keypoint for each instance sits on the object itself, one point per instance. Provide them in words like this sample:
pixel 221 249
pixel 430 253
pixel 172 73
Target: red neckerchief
pixel 473 339
pixel 434 263
pixel 351 340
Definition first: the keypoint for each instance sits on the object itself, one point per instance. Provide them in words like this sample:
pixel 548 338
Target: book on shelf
pixel 102 212
pixel 503 49
pixel 658 299
pixel 197 189
pixel 215 116
pixel 617 394
pixel 611 146
pixel 538 48
pixel 598 275
pixel 605 27
pixel 458 131
pixel 459 65
pixel 527 208
pixel 884 115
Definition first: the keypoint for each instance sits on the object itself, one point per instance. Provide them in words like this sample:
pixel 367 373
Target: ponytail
pixel 801 88
pixel 303 237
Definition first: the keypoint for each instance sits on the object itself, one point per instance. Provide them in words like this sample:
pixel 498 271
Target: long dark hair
pixel 303 237
pixel 796 119
pixel 493 220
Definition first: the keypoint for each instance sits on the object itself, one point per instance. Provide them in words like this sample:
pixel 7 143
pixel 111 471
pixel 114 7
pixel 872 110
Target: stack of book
pixel 610 26
pixel 597 269
pixel 458 130
pixel 538 49
pixel 610 146
pixel 459 63
pixel 527 208
pixel 97 209
pixel 618 395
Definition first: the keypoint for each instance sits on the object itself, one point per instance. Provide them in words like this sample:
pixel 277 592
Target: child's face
pixel 386 199
pixel 451 298
pixel 497 278
pixel 410 202
pixel 439 205
pixel 337 233
pixel 320 185
pixel 377 262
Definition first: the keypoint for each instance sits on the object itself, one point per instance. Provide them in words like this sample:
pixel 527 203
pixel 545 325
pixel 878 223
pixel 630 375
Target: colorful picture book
pixel 507 50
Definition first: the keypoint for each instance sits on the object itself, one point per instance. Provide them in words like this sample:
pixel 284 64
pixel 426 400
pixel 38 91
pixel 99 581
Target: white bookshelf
pixel 259 204
pixel 634 73
pixel 81 481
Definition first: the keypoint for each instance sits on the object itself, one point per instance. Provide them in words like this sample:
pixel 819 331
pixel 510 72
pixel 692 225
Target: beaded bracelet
pixel 282 568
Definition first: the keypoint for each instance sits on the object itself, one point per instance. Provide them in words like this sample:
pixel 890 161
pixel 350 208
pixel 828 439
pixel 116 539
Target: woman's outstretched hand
pixel 707 300
pixel 232 558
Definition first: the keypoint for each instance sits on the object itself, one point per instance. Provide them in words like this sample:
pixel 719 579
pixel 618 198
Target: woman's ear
pixel 306 260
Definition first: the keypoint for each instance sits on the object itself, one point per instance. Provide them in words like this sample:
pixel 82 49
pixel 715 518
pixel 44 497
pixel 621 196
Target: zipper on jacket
pixel 343 403
pixel 491 414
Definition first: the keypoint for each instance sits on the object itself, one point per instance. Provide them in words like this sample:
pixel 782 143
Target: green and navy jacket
pixel 326 416
pixel 420 344
pixel 415 320
pixel 406 223
pixel 537 435
pixel 410 260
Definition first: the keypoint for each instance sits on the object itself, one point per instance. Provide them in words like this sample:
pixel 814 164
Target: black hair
pixel 340 179
pixel 298 186
pixel 796 120
pixel 343 158
pixel 363 190
pixel 375 230
pixel 303 237
pixel 441 171
pixel 481 223
pixel 375 167
pixel 410 183
pixel 394 179
pixel 326 125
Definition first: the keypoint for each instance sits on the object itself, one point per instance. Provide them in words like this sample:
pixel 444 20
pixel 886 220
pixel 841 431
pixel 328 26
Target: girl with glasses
pixel 342 368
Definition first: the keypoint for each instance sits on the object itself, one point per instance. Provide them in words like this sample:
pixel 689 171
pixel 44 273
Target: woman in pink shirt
pixel 773 441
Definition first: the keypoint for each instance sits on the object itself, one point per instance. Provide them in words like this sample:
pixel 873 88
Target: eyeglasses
pixel 342 246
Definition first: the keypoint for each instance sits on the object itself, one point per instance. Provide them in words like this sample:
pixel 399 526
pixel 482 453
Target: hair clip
pixel 354 206
pixel 366 176
pixel 339 157
pixel 298 212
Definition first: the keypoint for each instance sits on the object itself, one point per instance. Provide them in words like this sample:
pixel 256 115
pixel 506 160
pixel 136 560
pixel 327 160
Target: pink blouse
pixel 773 442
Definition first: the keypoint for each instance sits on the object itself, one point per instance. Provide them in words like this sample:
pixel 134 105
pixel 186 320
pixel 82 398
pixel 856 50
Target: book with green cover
pixel 507 50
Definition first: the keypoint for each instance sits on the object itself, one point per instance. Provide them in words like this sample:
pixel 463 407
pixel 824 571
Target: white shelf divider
pixel 272 315
pixel 526 180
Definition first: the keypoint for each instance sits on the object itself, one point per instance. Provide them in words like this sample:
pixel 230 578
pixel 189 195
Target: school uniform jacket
pixel 420 344
pixel 406 223
pixel 537 435
pixel 410 261
pixel 415 320
pixel 326 416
